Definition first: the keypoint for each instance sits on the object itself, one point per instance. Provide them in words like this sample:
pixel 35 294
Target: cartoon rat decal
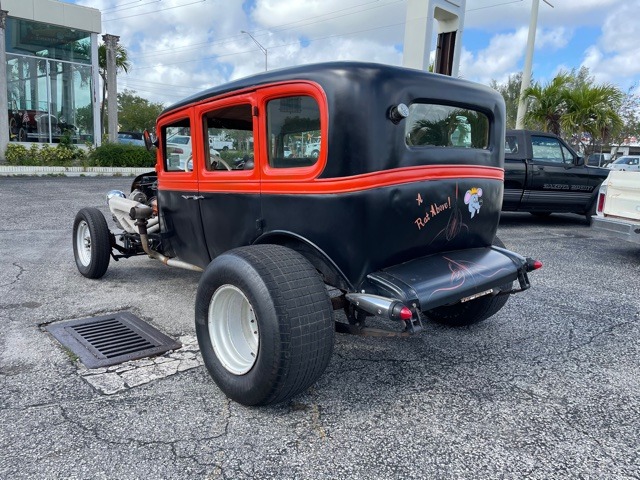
pixel 472 198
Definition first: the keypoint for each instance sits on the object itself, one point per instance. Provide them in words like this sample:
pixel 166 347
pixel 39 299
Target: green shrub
pixel 62 155
pixel 17 155
pixel 117 155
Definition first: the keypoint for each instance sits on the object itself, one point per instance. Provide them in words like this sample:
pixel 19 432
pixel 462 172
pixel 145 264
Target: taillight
pixel 532 264
pixel 601 199
pixel 405 313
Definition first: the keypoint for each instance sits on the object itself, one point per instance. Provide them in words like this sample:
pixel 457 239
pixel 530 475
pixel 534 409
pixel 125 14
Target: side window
pixel 511 144
pixel 176 138
pixel 546 149
pixel 568 156
pixel 293 132
pixel 229 138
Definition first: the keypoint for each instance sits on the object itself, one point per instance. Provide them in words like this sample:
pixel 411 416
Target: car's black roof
pixel 325 74
pixel 359 96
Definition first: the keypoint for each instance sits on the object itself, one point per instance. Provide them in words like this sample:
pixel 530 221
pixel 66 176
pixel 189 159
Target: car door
pixel 178 196
pixel 557 182
pixel 515 171
pixel 229 180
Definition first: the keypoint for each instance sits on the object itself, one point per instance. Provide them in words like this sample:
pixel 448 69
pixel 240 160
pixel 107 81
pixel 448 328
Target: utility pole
pixel 528 60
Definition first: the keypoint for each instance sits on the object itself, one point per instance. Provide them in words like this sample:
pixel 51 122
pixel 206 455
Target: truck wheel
pixel 264 323
pixel 91 243
pixel 473 311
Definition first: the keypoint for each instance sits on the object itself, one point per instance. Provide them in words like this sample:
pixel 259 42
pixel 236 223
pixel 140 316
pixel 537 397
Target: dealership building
pixel 48 85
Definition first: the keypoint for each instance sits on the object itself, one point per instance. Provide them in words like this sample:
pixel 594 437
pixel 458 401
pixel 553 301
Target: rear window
pixel 435 125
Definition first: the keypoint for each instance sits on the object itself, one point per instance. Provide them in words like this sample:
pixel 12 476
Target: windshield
pixel 626 161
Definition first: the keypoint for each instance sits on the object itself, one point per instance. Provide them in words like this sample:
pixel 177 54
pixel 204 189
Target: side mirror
pixel 148 141
pixel 579 161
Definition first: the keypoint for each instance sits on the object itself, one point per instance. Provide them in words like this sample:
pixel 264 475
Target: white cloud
pixel 617 51
pixel 505 52
pixel 178 51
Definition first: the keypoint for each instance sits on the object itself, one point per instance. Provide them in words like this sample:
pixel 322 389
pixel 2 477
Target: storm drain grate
pixel 111 339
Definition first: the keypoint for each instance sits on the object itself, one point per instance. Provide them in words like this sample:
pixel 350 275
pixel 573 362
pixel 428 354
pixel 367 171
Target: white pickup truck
pixel 618 211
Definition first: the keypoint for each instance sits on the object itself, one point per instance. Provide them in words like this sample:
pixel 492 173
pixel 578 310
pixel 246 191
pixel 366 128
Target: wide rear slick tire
pixel 91 243
pixel 264 324
pixel 473 311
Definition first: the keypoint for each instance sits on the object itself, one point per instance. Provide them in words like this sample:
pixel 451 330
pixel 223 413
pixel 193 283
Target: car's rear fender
pixel 330 272
pixel 448 277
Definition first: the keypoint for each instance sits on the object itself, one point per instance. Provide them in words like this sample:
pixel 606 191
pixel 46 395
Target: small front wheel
pixel 264 323
pixel 91 243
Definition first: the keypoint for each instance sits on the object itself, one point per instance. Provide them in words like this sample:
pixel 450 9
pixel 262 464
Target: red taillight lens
pixel 533 264
pixel 405 314
pixel 601 198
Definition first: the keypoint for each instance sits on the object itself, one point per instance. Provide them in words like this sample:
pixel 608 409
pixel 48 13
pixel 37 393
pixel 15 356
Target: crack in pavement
pixel 21 270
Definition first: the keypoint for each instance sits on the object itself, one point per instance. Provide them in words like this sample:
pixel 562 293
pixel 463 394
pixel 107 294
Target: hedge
pixel 117 155
pixel 65 155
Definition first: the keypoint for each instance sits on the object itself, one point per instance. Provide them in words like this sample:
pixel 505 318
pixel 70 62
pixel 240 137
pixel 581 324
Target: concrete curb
pixel 12 170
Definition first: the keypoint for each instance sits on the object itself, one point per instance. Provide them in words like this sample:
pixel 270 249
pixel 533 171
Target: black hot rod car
pixel 394 215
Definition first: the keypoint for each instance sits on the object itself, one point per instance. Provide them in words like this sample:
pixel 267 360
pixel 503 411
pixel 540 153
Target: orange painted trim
pixel 370 181
pixel 356 183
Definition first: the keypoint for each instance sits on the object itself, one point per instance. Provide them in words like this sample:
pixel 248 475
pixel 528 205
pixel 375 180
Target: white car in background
pixel 626 163
pixel 312 149
pixel 178 151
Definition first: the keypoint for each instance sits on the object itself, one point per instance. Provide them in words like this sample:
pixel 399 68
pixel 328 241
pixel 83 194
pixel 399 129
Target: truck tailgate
pixel 623 195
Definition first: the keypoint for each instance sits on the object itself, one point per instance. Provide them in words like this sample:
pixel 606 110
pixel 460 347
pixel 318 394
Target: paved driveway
pixel 548 388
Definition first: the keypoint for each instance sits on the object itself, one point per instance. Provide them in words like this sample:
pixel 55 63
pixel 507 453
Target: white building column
pixel 111 43
pixel 95 88
pixel 419 30
pixel 4 101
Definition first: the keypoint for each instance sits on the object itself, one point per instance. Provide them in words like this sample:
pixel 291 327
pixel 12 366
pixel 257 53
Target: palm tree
pixel 122 65
pixel 592 109
pixel 547 103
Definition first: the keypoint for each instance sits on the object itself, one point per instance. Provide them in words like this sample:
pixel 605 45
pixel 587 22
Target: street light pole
pixel 528 60
pixel 264 50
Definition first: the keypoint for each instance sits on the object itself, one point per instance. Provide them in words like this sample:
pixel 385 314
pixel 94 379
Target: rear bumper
pixel 449 277
pixel 618 228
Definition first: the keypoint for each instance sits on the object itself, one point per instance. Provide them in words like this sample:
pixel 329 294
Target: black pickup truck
pixel 544 175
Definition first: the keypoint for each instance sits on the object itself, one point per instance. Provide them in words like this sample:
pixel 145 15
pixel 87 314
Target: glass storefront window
pixel 49 82
pixel 24 37
pixel 48 100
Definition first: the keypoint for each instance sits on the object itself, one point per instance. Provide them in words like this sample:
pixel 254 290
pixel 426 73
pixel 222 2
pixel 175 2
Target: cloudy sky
pixel 179 47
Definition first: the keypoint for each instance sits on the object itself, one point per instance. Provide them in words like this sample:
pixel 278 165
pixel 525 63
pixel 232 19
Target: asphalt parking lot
pixel 548 388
